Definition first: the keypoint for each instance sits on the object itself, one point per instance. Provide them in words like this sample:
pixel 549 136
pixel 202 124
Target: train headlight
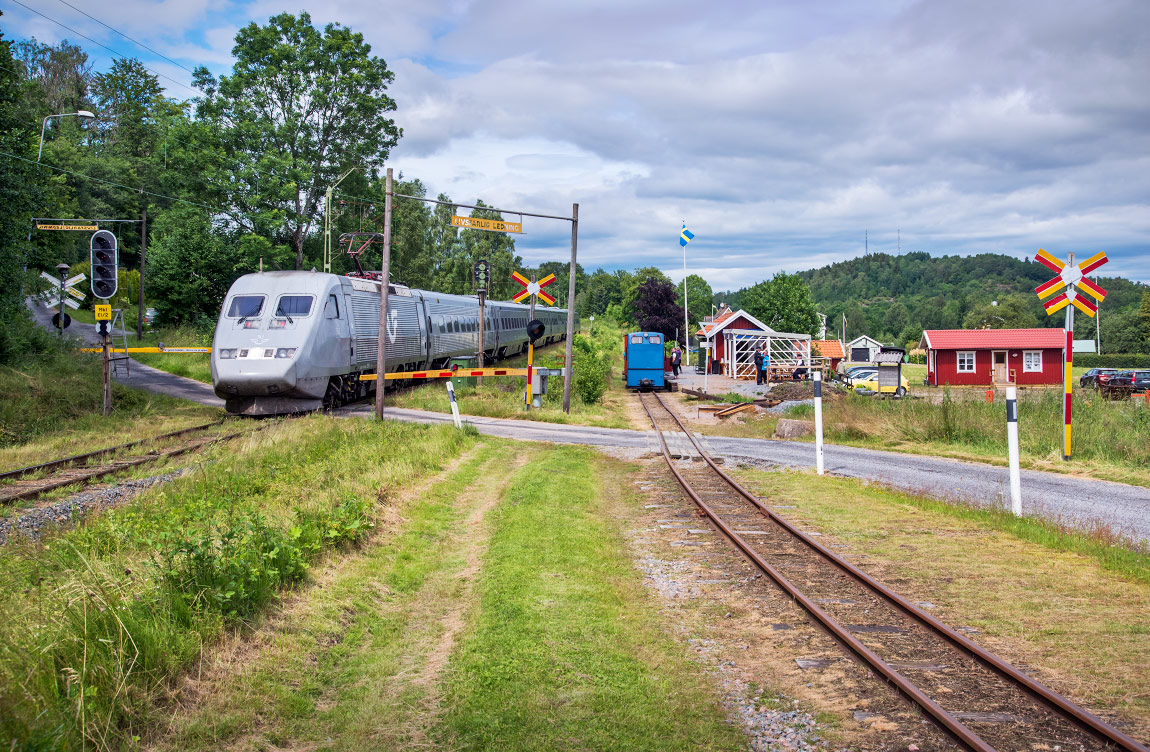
pixel 227 353
pixel 277 324
pixel 252 324
pixel 285 352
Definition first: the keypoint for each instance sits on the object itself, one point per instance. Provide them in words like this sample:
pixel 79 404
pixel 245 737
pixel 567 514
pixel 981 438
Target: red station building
pixel 990 357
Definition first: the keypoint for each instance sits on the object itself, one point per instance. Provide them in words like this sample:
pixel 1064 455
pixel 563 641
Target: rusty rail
pixel 955 728
pixel 11 474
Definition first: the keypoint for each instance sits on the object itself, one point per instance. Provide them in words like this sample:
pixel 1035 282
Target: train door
pixel 335 321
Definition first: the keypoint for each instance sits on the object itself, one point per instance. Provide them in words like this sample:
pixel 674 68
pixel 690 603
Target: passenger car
pixel 1096 376
pixel 1139 380
pixel 867 381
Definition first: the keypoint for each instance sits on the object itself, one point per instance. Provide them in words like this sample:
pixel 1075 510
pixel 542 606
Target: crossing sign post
pixel 63 293
pixel 1072 277
pixel 534 290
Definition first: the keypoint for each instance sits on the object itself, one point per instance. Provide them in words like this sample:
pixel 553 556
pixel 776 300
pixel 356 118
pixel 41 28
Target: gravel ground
pixel 30 523
pixel 772 723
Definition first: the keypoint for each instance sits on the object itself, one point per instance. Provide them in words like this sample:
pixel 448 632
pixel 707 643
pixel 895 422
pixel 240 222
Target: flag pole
pixel 686 324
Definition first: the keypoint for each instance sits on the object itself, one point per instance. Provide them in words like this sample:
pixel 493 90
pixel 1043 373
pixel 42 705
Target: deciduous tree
pixel 783 303
pixel 300 107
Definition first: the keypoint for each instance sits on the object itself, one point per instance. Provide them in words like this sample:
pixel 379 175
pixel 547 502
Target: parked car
pixel 869 383
pixel 1096 377
pixel 150 316
pixel 860 374
pixel 1140 380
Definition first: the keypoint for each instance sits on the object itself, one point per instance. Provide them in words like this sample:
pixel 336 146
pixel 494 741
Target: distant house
pixel 986 357
pixel 832 349
pixel 863 349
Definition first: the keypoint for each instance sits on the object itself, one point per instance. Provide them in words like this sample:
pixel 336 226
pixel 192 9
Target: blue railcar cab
pixel 645 361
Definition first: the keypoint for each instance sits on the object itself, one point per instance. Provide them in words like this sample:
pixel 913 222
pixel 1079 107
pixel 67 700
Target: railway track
pixel 80 468
pixel 975 697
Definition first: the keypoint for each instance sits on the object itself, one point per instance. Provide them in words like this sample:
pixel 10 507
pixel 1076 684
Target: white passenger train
pixel 296 341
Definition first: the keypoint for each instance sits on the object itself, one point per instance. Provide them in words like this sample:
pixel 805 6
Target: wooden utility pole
pixel 569 367
pixel 143 253
pixel 381 350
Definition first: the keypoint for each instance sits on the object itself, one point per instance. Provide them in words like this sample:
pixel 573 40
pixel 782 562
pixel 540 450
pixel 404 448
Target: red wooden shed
pixel 987 357
pixel 727 319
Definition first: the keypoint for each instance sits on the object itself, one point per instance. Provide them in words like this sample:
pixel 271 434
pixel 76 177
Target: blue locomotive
pixel 644 363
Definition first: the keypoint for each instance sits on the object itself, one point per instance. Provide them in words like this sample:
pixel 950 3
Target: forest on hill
pixel 893 298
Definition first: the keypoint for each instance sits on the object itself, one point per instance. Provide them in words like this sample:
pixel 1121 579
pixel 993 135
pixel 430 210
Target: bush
pixel 592 368
pixel 1113 360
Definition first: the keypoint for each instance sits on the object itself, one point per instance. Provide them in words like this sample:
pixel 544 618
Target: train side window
pixel 439 323
pixel 332 309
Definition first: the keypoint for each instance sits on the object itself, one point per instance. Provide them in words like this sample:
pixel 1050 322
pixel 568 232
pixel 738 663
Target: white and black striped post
pixel 1012 447
pixel 454 406
pixel 818 377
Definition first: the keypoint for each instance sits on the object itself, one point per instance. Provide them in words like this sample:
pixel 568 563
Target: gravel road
pixel 1077 501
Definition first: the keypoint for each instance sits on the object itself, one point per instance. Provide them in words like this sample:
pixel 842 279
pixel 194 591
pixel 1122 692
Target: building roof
pixel 828 348
pixel 985 339
pixel 723 320
pixel 863 337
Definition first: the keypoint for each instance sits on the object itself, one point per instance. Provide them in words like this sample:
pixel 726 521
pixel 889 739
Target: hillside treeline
pixel 893 298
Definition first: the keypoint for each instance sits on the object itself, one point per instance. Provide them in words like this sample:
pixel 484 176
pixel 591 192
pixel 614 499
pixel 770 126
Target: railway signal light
pixel 105 262
pixel 535 330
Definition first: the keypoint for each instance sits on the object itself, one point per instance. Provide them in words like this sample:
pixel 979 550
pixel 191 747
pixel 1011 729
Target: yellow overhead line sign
pixel 494 225
pixel 82 228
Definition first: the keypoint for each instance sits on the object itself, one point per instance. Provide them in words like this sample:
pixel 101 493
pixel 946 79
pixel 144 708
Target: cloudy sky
pixel 783 132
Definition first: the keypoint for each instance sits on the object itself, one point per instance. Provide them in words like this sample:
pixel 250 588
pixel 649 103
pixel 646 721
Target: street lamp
pixel 79 113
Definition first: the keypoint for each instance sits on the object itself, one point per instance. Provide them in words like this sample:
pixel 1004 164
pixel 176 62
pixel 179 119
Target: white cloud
pixel 780 131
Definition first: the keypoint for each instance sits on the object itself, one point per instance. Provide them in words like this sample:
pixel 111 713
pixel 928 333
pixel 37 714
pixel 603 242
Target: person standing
pixel 676 361
pixel 758 365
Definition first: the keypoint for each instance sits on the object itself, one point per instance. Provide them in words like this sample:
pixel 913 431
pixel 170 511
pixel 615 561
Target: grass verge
pixel 1068 604
pixel 94 622
pixel 51 405
pixel 565 650
pixel 497 613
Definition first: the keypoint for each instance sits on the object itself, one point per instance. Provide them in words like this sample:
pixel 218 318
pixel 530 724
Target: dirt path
pixel 353 661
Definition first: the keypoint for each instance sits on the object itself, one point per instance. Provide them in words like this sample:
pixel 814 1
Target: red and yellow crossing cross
pixel 533 288
pixel 1073 278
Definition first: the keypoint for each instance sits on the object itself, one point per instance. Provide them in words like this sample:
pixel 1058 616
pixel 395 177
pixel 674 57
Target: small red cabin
pixel 712 329
pixel 989 357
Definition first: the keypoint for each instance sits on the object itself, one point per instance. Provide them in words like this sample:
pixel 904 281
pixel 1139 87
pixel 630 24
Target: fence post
pixel 818 376
pixel 454 407
pixel 1012 448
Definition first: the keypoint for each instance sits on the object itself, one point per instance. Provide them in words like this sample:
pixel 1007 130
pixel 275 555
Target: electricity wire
pixel 106 47
pixel 109 182
pixel 137 42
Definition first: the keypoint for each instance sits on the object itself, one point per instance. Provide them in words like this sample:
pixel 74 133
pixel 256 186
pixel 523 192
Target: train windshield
pixel 294 305
pixel 246 306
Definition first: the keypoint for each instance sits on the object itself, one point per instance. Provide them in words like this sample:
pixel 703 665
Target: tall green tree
pixel 783 303
pixel 699 296
pixel 1008 312
pixel 19 192
pixel 300 107
pixel 1144 315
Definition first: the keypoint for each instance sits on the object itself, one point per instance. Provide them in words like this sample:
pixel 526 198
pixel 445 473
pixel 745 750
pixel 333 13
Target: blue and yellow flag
pixel 685 236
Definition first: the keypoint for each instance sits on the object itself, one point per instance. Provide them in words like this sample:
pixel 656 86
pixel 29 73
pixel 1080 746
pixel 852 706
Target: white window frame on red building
pixel 959 356
pixel 1028 357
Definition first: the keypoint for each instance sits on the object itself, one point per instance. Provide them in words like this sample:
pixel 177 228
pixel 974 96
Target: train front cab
pixel 644 363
